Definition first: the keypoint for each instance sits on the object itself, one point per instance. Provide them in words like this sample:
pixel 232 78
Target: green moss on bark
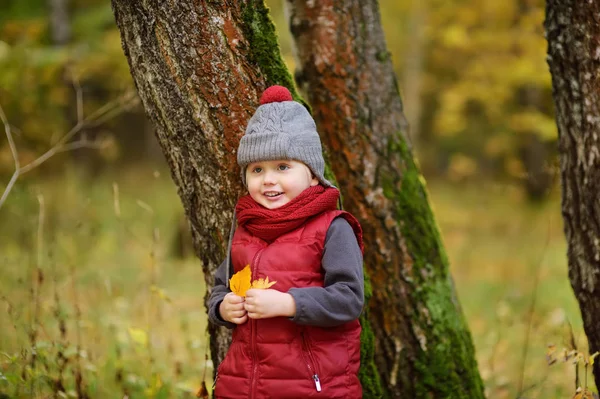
pixel 445 364
pixel 264 47
pixel 368 375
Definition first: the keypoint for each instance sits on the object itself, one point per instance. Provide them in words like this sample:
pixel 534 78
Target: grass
pixel 95 303
pixel 96 295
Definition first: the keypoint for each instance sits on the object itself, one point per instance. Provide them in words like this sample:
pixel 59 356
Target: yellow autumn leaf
pixel 160 293
pixel 593 357
pixel 262 283
pixel 138 336
pixel 240 282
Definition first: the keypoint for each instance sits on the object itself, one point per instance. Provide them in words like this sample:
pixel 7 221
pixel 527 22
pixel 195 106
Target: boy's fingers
pixel 249 307
pixel 234 298
pixel 239 320
pixel 254 315
pixel 231 298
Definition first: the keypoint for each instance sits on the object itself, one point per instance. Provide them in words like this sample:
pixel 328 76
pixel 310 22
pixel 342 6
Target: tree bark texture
pixel 423 347
pixel 573 34
pixel 199 68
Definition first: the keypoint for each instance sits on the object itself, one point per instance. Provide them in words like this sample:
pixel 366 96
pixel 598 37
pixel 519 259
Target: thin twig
pixel 94 119
pixel 40 235
pixel 9 187
pixel 82 144
pixel 15 155
pixel 573 346
pixel 101 115
pixel 116 203
pixel 38 278
pixel 530 313
pixel 77 373
pixel 79 94
pixel 11 143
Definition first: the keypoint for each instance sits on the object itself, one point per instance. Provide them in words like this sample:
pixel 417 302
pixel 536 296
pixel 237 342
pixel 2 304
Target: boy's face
pixel 275 183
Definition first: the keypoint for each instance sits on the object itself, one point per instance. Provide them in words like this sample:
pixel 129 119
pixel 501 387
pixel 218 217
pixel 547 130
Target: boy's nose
pixel 269 178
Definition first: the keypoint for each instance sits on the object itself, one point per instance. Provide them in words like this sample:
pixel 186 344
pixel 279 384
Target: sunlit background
pixel 100 293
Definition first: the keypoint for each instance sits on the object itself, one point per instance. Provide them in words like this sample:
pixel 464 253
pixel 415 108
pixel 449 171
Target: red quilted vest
pixel 277 358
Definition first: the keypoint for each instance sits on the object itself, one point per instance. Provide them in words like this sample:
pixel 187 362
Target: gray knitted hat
pixel 282 129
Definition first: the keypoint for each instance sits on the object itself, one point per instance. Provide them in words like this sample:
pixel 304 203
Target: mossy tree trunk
pixel 573 35
pixel 423 345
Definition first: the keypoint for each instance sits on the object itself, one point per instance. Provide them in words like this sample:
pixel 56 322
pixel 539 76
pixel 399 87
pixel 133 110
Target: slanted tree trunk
pixel 423 346
pixel 199 68
pixel 573 36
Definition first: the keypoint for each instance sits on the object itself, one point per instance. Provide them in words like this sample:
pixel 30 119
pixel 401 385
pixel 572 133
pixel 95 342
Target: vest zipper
pixel 254 267
pixel 312 369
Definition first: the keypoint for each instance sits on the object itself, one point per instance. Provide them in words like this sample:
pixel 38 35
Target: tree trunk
pixel 199 68
pixel 573 36
pixel 60 24
pixel 423 345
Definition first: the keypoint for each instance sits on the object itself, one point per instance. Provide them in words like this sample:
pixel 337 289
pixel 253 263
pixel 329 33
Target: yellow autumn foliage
pixel 262 283
pixel 241 282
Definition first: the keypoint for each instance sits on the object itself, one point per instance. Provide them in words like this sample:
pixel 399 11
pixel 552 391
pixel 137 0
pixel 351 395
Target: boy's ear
pixel 314 181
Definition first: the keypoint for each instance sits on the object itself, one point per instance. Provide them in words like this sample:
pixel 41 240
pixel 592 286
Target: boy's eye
pixel 257 170
pixel 283 167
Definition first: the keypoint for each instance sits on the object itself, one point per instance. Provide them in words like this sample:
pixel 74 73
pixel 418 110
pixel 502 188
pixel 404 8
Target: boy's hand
pixel 232 309
pixel 263 304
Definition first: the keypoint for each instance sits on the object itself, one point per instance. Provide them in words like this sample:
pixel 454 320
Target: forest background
pixel 100 291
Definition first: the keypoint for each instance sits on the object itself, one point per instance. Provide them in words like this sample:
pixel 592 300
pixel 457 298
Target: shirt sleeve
pixel 342 297
pixel 217 294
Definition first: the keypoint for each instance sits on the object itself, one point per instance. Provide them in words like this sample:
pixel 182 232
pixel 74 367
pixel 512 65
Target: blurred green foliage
pixel 38 78
pixel 472 74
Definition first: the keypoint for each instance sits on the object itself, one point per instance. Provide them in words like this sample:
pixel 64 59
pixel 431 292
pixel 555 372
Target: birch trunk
pixel 573 34
pixel 423 347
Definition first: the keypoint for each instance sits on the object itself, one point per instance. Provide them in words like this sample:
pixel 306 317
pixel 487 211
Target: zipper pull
pixel 317 382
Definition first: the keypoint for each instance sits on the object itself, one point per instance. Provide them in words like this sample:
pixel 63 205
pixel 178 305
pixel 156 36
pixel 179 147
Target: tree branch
pixel 15 154
pixel 101 115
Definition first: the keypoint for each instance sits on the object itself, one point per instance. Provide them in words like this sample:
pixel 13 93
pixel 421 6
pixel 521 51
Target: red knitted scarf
pixel 268 224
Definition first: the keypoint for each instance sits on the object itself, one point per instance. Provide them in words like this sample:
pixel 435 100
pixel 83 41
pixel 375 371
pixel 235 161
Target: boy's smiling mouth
pixel 272 194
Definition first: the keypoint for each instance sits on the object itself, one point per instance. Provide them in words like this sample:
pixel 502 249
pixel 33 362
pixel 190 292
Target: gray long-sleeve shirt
pixel 339 301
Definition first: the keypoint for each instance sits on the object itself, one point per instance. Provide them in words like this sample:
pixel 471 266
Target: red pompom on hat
pixel 275 94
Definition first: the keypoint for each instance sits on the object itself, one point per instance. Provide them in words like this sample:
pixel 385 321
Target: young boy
pixel 300 338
